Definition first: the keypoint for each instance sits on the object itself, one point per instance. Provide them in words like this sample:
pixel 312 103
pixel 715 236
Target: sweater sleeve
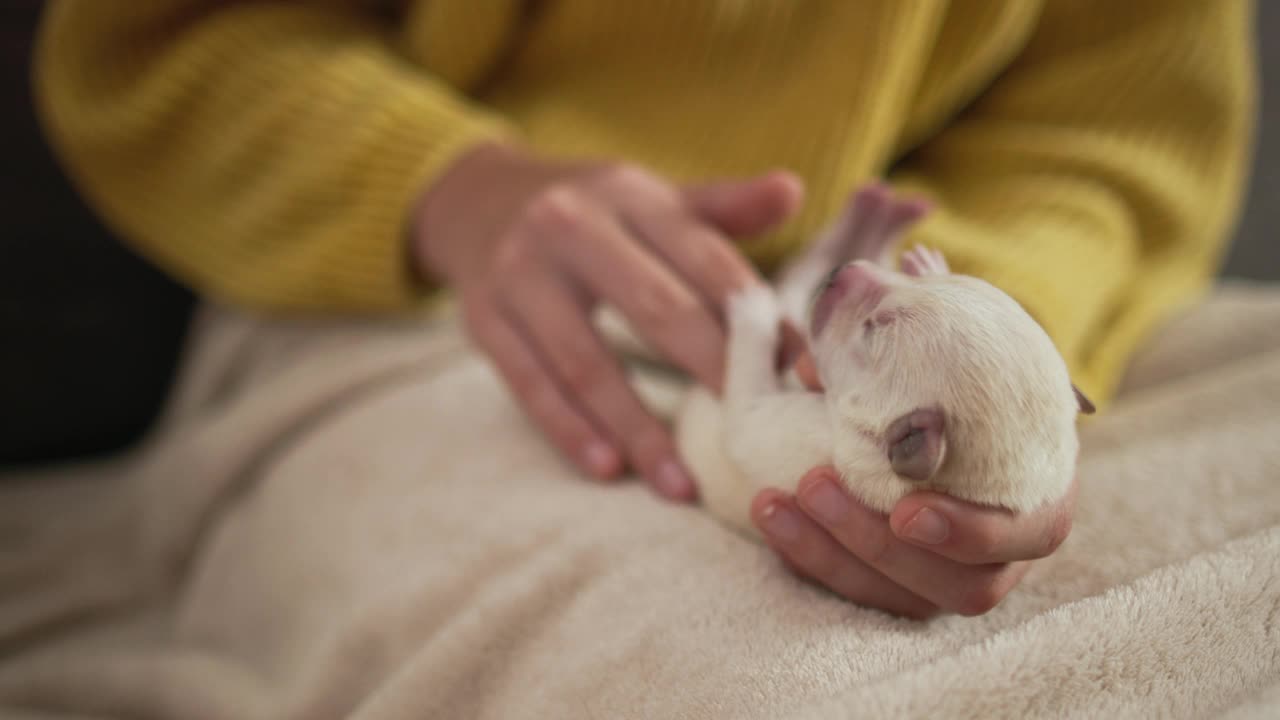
pixel 268 154
pixel 1097 181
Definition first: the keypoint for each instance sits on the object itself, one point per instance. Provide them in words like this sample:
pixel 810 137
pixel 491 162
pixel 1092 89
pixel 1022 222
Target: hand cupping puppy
pixel 944 405
pixel 533 246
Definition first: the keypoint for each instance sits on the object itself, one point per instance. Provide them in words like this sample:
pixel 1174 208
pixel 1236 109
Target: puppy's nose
pixel 858 286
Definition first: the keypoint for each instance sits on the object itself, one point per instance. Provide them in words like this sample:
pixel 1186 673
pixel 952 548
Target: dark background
pixel 90 335
pixel 1256 252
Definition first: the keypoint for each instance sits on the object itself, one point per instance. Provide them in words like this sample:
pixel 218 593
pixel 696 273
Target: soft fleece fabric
pixel 354 521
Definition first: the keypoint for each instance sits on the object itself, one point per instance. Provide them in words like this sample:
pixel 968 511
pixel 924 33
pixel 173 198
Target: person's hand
pixel 931 554
pixel 532 246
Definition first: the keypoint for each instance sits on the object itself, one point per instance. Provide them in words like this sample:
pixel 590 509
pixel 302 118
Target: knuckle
pixel 704 258
pixel 625 178
pixel 874 547
pixel 816 559
pixel 662 309
pixel 559 208
pixel 512 256
pixel 710 258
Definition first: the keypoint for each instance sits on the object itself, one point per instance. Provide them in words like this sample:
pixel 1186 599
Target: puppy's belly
pixel 724 490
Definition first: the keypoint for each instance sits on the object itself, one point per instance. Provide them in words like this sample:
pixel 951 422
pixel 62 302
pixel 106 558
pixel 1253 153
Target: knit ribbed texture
pixel 1088 157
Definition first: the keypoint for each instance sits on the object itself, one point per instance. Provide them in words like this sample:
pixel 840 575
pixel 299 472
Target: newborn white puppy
pixel 931 381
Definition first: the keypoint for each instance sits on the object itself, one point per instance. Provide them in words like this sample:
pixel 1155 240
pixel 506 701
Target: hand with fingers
pixel 532 246
pixel 931 553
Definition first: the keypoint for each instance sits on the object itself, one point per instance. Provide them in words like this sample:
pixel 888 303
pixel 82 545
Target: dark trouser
pixel 89 334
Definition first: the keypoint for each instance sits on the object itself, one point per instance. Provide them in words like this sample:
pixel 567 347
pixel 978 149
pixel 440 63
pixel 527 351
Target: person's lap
pixel 409 546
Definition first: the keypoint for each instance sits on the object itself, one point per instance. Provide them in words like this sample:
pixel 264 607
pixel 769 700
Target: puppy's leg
pixel 771 436
pixel 880 218
pixel 755 327
pixel 737 451
pixel 707 428
pixel 872 221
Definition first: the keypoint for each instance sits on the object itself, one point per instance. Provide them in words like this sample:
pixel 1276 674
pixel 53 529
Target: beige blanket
pixel 353 521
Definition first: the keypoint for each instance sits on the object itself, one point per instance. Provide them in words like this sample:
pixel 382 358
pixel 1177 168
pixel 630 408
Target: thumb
pixel 744 208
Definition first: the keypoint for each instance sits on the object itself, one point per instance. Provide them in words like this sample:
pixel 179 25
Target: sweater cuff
pixel 419 139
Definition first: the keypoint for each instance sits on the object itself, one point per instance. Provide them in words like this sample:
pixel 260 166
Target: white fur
pixel 760 432
pixel 956 342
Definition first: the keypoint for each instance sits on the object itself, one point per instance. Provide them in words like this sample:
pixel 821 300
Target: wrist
pixel 434 217
pixel 462 213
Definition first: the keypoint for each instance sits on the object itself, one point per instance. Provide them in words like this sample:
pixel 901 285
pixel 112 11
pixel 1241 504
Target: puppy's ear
pixel 1086 405
pixel 917 444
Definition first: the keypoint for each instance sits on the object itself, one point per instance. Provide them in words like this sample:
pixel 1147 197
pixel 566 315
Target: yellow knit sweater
pixel 1087 156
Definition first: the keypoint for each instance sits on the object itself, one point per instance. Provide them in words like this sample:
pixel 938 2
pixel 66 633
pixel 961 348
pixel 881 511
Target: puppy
pixel 931 380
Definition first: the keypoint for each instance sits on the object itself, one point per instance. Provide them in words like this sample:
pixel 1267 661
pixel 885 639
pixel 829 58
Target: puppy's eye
pixel 883 318
pixel 879 320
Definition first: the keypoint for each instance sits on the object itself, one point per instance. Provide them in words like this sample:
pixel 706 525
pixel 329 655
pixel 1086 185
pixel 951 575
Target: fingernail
pixel 672 479
pixel 927 526
pixel 599 458
pixel 781 523
pixel 826 500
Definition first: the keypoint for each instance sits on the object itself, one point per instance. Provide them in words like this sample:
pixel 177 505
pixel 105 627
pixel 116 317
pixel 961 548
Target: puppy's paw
pixel 755 311
pixel 876 217
pixel 920 261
